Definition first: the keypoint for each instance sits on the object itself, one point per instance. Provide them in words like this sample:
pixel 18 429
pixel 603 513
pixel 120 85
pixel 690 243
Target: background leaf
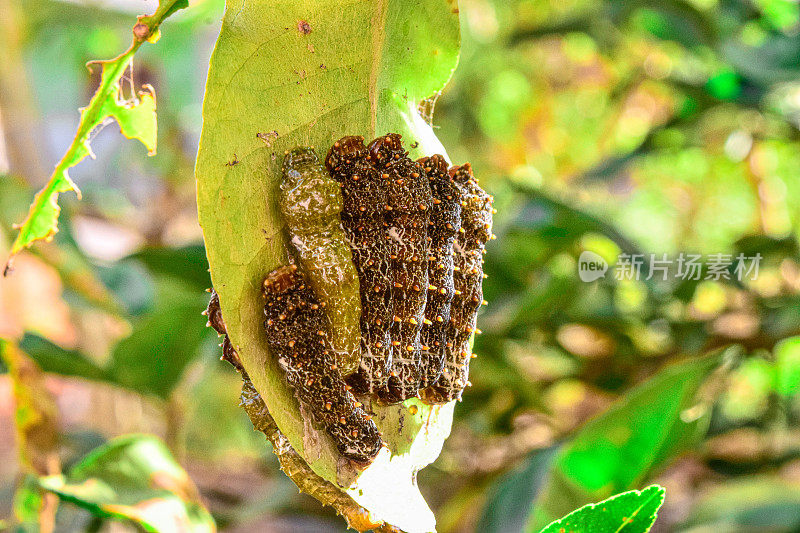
pixel 508 506
pixel 312 74
pixel 36 414
pixel 162 342
pixel 629 512
pixel 134 478
pixel 36 424
pixel 787 366
pixel 759 503
pixel 654 422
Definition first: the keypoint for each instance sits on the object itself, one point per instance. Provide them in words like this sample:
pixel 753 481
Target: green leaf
pixel 135 114
pixel 650 425
pixel 629 512
pixel 153 357
pixel 134 478
pixel 55 359
pixel 188 263
pixel 787 366
pixel 312 72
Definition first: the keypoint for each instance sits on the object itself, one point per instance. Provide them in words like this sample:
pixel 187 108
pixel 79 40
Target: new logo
pixel 591 266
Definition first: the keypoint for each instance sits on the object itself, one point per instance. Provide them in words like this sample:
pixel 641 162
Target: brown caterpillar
pixel 363 219
pixel 445 222
pixel 408 209
pixel 311 202
pixel 296 334
pixel 469 247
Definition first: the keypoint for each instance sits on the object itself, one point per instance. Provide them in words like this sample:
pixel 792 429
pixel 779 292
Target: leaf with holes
pixel 135 115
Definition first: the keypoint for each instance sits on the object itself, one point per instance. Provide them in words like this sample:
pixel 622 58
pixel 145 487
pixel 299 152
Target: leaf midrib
pixel 378 37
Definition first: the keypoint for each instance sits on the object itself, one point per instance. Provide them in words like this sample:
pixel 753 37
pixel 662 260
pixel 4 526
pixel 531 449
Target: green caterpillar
pixel 311 202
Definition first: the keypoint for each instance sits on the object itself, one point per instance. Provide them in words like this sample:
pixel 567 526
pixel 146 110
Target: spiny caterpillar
pixel 469 247
pixel 310 202
pixel 445 222
pixel 407 214
pixel 363 218
pixel 296 330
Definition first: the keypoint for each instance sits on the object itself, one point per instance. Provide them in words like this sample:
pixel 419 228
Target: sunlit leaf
pixel 629 512
pixel 134 478
pixel 787 366
pixel 311 72
pixel 650 425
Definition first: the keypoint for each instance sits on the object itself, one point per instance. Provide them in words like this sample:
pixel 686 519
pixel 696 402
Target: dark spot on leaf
pixel 233 162
pixel 304 27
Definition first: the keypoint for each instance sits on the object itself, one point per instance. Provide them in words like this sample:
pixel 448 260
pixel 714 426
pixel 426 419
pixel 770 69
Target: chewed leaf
pixel 137 120
pixel 629 512
pixel 301 73
pixel 135 114
pixel 134 478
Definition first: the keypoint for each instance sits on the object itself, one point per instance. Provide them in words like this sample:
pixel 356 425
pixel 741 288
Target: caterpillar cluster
pixel 383 298
pixel 417 231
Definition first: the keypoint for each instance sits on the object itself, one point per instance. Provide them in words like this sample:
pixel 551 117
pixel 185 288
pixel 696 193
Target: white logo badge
pixel 591 266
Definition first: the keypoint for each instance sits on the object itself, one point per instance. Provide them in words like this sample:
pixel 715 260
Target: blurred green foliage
pixel 134 478
pixel 634 127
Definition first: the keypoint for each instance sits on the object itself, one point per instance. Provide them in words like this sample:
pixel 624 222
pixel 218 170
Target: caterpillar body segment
pixel 468 249
pixel 444 224
pixel 311 204
pixel 296 331
pixel 365 195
